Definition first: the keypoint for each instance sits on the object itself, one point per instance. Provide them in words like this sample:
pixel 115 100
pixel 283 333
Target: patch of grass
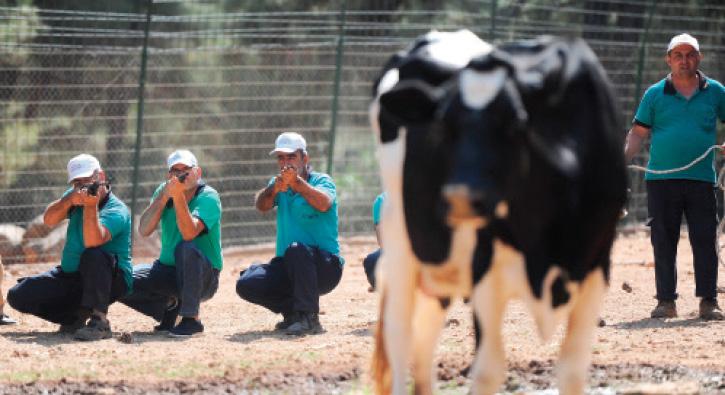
pixel 24 376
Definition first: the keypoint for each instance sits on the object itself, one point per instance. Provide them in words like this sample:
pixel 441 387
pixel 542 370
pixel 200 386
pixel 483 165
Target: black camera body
pixel 92 189
pixel 182 177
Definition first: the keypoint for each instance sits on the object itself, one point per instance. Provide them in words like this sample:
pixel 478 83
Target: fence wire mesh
pixel 223 78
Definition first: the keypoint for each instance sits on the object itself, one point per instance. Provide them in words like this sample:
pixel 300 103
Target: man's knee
pixel 92 257
pixel 18 300
pixel 297 253
pixel 243 288
pixel 186 252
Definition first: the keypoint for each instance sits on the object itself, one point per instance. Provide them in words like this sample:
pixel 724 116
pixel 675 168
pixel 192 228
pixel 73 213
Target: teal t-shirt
pixel 297 221
pixel 115 217
pixel 682 129
pixel 206 206
pixel 377 208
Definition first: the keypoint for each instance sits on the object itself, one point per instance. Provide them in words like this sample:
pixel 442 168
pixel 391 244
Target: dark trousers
pixel 192 281
pixel 293 282
pixel 667 200
pixel 61 297
pixel 369 264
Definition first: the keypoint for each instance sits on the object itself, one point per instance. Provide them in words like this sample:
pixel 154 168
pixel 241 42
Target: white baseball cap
pixel 183 156
pixel 82 165
pixel 289 142
pixel 683 38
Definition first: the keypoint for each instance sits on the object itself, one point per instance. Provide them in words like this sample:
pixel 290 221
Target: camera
pixel 182 177
pixel 92 189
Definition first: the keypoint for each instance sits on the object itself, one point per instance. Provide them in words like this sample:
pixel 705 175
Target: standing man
pixel 95 268
pixel 371 261
pixel 679 113
pixel 187 270
pixel 307 262
pixel 4 318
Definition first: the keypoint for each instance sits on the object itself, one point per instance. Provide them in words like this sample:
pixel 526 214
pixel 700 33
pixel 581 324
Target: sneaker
pixel 710 310
pixel 169 321
pixel 287 320
pixel 96 329
pixel 74 326
pixel 187 327
pixel 6 320
pixel 664 309
pixel 308 323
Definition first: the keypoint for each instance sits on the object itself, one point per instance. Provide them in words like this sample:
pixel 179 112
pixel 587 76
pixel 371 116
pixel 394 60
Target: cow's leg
pixel 392 352
pixel 428 321
pixel 576 347
pixel 489 303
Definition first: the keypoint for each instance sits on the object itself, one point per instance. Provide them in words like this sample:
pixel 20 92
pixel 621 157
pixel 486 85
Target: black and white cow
pixel 533 154
pixel 424 262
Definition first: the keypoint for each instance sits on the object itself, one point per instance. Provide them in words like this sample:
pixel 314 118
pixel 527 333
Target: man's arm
pixel 94 234
pixel 635 138
pixel 152 214
pixel 57 211
pixel 264 200
pixel 316 198
pixel 189 225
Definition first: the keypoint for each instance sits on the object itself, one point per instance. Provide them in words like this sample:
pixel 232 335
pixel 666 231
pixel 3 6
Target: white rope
pixel 720 184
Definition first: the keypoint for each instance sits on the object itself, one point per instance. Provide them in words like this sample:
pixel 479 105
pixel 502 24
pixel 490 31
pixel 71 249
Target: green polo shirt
pixel 115 217
pixel 377 208
pixel 297 221
pixel 682 129
pixel 207 207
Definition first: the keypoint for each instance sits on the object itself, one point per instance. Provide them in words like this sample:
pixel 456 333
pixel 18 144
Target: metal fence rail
pixel 130 81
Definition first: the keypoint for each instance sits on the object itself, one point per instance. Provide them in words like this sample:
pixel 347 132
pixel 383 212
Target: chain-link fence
pixel 131 80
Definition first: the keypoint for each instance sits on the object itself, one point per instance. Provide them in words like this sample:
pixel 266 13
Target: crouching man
pixel 187 270
pixel 95 268
pixel 307 262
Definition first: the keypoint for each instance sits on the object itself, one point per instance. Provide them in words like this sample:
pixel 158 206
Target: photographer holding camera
pixel 307 262
pixel 187 270
pixel 95 268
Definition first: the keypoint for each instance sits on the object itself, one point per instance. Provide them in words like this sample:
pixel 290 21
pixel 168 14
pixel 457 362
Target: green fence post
pixel 492 30
pixel 643 53
pixel 139 115
pixel 336 86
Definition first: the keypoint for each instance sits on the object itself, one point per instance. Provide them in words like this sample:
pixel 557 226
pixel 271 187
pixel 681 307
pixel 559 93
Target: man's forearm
pixel 319 200
pixel 57 210
pixel 184 221
pixel 94 234
pixel 632 146
pixel 152 215
pixel 265 199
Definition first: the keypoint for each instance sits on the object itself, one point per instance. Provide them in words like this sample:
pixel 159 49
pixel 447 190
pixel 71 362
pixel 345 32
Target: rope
pixel 720 184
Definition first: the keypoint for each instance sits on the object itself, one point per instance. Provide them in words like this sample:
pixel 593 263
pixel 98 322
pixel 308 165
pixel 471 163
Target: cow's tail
pixel 380 365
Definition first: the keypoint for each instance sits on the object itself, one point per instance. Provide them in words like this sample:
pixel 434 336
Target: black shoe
pixel 187 327
pixel 710 310
pixel 287 320
pixel 169 320
pixel 308 323
pixel 96 329
pixel 6 320
pixel 72 327
pixel 664 309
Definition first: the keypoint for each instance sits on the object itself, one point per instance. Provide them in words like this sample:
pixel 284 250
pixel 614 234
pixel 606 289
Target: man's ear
pixel 198 172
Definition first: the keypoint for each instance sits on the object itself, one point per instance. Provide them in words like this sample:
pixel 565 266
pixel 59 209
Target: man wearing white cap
pixel 679 113
pixel 187 271
pixel 307 262
pixel 95 268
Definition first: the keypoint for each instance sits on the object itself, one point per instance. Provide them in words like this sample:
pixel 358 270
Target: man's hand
pixel 280 185
pixel 87 200
pixel 289 177
pixel 174 188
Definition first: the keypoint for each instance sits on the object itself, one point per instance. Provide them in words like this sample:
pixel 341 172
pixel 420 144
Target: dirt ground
pixel 240 353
